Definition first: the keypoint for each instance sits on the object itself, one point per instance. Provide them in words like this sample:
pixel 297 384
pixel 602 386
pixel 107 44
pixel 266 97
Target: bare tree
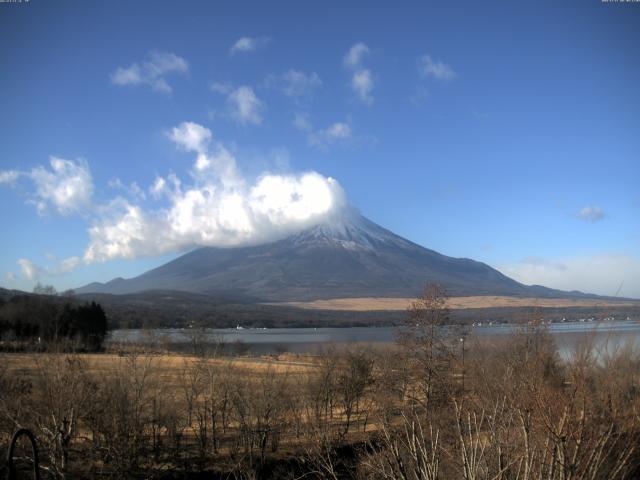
pixel 354 377
pixel 64 393
pixel 428 343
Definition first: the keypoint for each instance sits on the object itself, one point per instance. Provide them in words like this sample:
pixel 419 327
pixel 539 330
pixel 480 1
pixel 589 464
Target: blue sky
pixel 505 132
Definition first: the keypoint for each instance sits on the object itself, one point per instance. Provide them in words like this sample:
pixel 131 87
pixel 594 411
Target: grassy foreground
pixel 422 409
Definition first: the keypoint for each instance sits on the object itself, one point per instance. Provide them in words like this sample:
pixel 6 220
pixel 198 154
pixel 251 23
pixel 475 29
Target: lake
pixel 605 336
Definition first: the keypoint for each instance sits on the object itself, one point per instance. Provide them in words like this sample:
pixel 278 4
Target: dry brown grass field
pixel 382 304
pixel 169 365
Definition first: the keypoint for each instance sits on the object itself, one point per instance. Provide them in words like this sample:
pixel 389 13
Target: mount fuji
pixel 348 256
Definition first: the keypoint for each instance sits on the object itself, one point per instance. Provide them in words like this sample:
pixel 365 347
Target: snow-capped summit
pixel 350 230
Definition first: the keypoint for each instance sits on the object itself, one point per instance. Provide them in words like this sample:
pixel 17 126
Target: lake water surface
pixel 602 336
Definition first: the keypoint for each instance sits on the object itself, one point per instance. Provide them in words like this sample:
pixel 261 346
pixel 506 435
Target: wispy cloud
pixel 31 271
pixel 355 55
pixel 430 68
pixel 64 188
pixel 246 106
pixel 590 214
pixel 152 72
pixel 362 82
pixel 362 85
pixel 302 122
pixel 248 44
pixel 9 176
pixel 133 189
pixel 614 272
pixel 336 133
pixel 243 105
pixel 295 84
pixel 222 88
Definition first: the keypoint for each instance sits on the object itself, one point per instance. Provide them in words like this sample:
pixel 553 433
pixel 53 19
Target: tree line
pixel 44 318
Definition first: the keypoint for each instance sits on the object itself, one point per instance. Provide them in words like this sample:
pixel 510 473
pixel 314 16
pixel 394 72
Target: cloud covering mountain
pixel 215 205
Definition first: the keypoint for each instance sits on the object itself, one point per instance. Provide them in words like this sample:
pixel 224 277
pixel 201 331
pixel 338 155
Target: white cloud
pixel 65 188
pixel 590 214
pixel 243 105
pixel 361 78
pixel 31 271
pixel 218 208
pixel 248 44
pixel 151 72
pixel 362 85
pixel 354 57
pixel 9 176
pixel 427 67
pixel 214 206
pixel 246 105
pixel 213 160
pixel 298 84
pixel 133 189
pixel 126 233
pixel 9 276
pixel 338 132
pixel 158 187
pixel 69 264
pixel 116 183
pixel 602 274
pixel 190 136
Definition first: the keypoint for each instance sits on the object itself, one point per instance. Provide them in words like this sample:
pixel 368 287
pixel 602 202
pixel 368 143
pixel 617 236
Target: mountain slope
pixel 349 257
